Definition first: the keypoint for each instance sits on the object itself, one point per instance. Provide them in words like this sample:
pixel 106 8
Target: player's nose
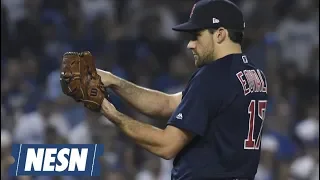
pixel 191 45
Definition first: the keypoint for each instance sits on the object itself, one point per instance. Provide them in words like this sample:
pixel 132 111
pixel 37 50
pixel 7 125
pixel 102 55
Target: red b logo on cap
pixel 192 10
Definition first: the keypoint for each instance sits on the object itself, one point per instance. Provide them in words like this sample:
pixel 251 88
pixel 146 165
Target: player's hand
pixel 108 109
pixel 107 78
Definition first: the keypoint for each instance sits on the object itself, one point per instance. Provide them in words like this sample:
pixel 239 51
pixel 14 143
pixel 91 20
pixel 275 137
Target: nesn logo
pixel 56 160
pixel 44 159
pixel 179 116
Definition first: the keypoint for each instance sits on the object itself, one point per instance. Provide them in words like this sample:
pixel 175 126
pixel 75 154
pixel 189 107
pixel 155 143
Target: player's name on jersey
pixel 252 81
pixel 56 160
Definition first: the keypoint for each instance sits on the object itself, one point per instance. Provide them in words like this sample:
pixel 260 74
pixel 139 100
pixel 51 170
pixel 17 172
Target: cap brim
pixel 186 27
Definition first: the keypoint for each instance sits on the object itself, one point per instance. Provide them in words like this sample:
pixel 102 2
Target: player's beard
pixel 205 58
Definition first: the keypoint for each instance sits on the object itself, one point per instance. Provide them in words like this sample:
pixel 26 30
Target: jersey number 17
pixel 256 110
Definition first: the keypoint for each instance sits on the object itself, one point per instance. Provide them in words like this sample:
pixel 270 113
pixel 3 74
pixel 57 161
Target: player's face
pixel 202 46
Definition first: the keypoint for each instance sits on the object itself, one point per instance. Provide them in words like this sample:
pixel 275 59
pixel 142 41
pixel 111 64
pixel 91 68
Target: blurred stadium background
pixel 133 39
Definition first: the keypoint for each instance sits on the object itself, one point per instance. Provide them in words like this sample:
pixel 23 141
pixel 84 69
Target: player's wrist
pixel 107 78
pixel 114 81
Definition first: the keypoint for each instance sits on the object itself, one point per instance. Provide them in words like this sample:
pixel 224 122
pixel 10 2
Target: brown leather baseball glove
pixel 80 80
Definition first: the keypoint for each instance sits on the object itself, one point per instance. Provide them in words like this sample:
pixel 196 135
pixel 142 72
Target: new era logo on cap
pixel 215 20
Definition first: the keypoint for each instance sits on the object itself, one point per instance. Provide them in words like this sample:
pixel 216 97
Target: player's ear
pixel 221 35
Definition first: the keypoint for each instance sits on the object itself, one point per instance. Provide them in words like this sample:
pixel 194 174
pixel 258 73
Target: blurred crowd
pixel 133 39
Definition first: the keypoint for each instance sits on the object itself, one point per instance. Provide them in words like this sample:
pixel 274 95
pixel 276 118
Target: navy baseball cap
pixel 213 14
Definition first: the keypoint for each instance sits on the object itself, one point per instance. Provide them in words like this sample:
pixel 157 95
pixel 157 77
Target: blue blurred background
pixel 133 39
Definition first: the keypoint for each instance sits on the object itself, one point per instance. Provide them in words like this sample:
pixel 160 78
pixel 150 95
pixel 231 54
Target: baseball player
pixel 215 125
